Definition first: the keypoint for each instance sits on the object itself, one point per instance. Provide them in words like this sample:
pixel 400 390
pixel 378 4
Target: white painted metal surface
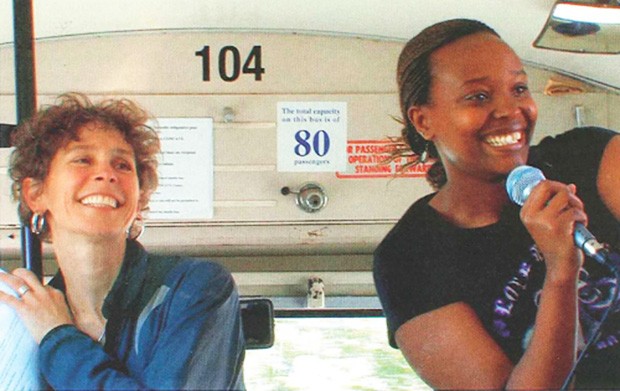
pixel 337 51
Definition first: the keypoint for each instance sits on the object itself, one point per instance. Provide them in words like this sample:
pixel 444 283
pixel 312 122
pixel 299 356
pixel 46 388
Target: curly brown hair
pixel 414 77
pixel 37 140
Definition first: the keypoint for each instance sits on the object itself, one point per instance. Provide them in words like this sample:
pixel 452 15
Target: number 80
pixel 320 143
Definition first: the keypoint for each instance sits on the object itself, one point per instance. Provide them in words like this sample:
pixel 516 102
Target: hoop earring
pixel 136 229
pixel 37 223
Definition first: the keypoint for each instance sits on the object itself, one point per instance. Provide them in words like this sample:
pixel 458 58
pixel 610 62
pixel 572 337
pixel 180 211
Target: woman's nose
pixel 506 107
pixel 106 173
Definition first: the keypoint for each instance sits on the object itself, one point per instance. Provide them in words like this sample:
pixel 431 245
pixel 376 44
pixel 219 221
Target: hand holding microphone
pixel 520 183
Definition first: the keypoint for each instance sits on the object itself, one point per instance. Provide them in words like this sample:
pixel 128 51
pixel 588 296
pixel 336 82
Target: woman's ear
pixel 418 115
pixel 32 192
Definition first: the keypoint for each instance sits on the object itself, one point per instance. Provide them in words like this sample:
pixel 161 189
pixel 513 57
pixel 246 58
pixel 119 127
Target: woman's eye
pixel 522 89
pixel 477 97
pixel 81 160
pixel 124 166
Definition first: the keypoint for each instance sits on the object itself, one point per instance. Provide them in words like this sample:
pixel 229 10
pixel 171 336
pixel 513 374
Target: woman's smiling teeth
pixel 503 140
pixel 99 201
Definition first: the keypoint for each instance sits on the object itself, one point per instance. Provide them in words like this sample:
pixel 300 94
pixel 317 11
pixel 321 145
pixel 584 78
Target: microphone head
pixel 521 181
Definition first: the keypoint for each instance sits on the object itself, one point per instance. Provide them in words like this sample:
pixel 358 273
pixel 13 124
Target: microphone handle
pixel 586 241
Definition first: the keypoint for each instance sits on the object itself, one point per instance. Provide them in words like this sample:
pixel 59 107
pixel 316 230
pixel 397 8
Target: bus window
pixel 329 354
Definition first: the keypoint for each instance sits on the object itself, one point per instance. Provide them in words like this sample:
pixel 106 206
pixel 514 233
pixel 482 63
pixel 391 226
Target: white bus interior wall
pixel 270 245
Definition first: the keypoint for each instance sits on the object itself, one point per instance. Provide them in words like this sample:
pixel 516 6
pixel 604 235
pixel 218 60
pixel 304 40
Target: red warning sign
pixel 370 159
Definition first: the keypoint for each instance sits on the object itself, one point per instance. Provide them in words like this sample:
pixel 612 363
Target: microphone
pixel 519 185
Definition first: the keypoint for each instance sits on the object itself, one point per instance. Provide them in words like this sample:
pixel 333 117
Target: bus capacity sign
pixel 370 159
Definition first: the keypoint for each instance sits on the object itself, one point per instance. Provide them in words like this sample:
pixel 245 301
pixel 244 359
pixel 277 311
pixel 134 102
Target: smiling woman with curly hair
pixel 115 316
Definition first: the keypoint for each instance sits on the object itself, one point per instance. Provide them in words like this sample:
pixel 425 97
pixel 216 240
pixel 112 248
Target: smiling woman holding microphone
pixel 480 294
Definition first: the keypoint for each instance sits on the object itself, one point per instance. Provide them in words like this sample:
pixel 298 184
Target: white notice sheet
pixel 185 190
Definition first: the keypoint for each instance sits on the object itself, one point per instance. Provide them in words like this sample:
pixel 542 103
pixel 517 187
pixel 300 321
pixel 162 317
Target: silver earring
pixel 37 223
pixel 424 155
pixel 136 229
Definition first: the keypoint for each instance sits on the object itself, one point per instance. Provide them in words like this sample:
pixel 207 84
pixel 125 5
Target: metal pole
pixel 25 79
pixel 26 99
